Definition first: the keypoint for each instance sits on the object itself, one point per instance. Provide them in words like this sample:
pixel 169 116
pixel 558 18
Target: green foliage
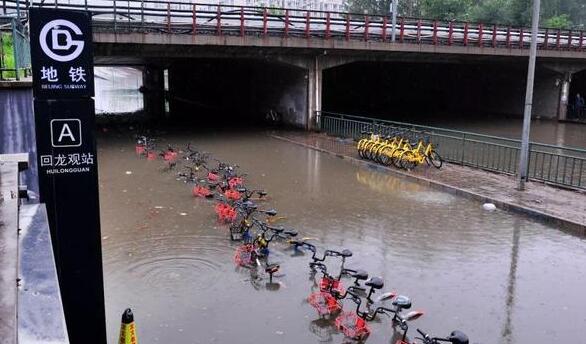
pixel 7 55
pixel 570 14
pixel 559 22
pixel 446 9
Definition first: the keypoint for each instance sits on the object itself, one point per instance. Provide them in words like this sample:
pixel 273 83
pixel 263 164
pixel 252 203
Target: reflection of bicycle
pixel 456 337
pixel 272 117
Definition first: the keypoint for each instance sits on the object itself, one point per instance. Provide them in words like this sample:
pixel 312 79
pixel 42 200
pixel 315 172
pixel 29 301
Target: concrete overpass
pixel 283 55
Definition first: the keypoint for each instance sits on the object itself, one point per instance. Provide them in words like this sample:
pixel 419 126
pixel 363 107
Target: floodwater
pixel 499 277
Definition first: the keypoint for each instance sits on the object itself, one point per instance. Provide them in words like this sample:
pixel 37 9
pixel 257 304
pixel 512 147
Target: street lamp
pixel 524 157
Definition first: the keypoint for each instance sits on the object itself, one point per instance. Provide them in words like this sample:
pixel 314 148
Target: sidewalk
pixel 561 208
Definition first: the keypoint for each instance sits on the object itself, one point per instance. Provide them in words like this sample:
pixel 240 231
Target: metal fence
pixel 14 37
pixel 184 17
pixel 562 166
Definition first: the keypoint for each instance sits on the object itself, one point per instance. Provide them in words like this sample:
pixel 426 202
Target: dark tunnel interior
pixel 236 92
pixel 577 86
pixel 424 92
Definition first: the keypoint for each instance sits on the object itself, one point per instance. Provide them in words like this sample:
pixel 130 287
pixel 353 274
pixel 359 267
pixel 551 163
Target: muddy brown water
pixel 498 276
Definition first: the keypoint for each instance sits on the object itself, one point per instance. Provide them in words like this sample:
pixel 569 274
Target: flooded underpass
pixel 498 276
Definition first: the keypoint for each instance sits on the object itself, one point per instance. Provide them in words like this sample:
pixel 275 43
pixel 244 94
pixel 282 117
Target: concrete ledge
pixel 28 83
pixel 564 224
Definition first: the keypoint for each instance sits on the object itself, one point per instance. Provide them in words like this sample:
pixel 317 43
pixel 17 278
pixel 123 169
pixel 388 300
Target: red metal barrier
pixel 546 38
pixel 451 33
pixel 219 22
pixel 194 22
pixel 434 37
pixel 494 36
pixel 558 39
pixel 580 46
pixel 241 21
pixel 366 28
pixel 328 25
pixel 521 39
pixel 264 22
pixel 466 34
pixel 168 17
pixel 480 29
pixel 347 28
pixel 570 39
pixel 509 37
pixel 419 31
pixel 402 32
pixel 307 19
pixel 384 28
pixel 286 23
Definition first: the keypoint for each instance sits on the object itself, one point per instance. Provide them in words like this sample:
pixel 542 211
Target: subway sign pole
pixel 63 87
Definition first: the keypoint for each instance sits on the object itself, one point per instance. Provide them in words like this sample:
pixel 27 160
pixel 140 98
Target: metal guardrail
pixel 192 18
pixel 557 165
pixel 12 29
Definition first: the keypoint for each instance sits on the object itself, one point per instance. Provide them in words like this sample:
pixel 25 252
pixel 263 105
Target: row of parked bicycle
pixel 400 148
pixel 239 208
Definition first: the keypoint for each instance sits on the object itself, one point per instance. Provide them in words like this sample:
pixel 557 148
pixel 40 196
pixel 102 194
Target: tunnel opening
pixel 118 93
pixel 576 107
pixel 237 92
pixel 436 93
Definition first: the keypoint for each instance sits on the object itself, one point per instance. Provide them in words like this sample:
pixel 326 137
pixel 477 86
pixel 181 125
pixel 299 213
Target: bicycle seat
pixel 458 337
pixel 375 283
pixel 263 193
pixel 402 302
pixel 346 253
pixel 271 212
pixel 360 275
pixel 272 268
pixel 241 190
pixel 291 233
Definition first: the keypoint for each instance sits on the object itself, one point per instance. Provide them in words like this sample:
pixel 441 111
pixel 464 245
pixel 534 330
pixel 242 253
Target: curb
pixel 561 223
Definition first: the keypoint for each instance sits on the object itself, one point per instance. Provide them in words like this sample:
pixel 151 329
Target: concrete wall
pixel 236 91
pixel 17 127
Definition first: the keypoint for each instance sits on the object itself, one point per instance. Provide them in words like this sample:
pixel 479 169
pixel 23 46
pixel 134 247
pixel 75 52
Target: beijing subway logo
pixel 57 40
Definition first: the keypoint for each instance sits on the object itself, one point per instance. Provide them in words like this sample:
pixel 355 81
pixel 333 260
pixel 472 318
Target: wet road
pixel 499 277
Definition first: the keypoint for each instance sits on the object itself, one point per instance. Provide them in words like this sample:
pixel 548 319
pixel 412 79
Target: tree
pixel 446 9
pixel 559 22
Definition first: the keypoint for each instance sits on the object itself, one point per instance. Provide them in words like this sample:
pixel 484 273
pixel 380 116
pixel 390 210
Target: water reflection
pixel 460 264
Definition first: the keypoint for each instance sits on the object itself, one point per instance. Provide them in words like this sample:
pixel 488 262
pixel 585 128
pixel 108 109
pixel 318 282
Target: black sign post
pixel 63 87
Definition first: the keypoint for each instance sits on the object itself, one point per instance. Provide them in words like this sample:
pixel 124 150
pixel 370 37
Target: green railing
pixel 15 56
pixel 562 166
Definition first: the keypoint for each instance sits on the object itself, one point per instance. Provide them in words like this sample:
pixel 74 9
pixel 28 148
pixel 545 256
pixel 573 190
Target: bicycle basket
pixel 232 195
pixel 352 326
pixel 235 182
pixel 324 303
pixel 244 255
pixel 329 284
pixel 200 191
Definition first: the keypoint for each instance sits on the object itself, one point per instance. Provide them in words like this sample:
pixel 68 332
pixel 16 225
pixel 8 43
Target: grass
pixel 7 55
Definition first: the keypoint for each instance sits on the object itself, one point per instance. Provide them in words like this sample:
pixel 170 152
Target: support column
pixel 314 90
pixel 564 96
pixel 153 90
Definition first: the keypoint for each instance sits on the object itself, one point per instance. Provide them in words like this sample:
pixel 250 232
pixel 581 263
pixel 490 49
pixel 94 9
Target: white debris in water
pixel 105 237
pixel 128 172
pixel 489 206
pixel 159 207
pixel 280 333
pixel 124 190
pixel 183 214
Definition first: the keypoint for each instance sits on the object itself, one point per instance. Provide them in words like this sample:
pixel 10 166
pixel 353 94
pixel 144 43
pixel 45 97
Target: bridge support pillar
pixel 564 96
pixel 154 92
pixel 314 92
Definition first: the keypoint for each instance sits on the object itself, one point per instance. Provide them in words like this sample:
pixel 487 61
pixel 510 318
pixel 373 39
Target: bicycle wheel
pixel 407 160
pixel 395 157
pixel 385 156
pixel 434 159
